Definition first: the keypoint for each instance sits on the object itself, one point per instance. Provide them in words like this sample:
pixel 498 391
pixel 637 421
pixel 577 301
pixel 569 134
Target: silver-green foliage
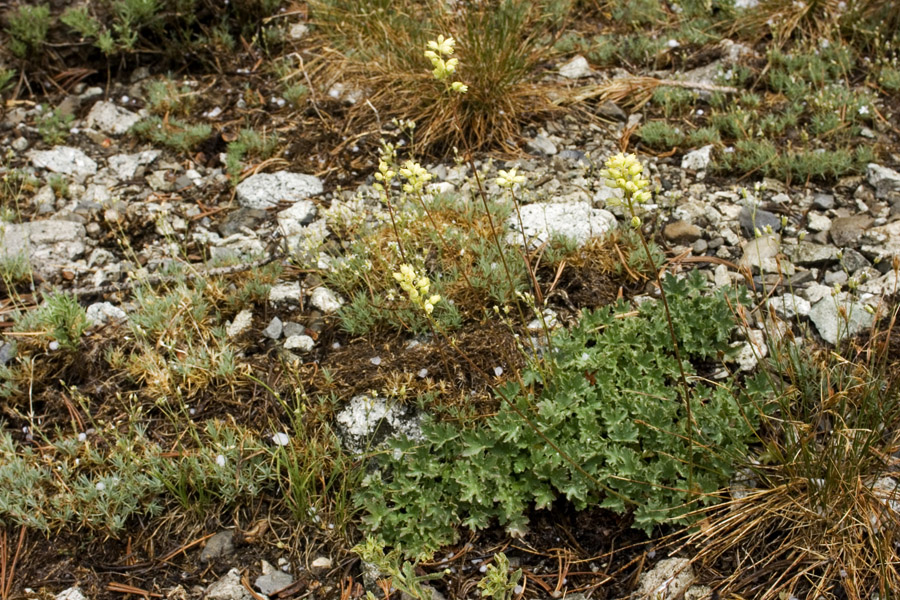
pixel 610 400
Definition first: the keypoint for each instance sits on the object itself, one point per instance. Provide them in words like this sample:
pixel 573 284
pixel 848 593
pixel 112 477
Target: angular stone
pixel 543 145
pixel 577 220
pixel 759 254
pixel 823 201
pixel 266 190
pixel 846 231
pixel 274 329
pixel 64 160
pixel 611 110
pixel 102 313
pixel 125 166
pixel 272 580
pixel 229 587
pixel 698 160
pixel 218 546
pixel 885 181
pixel 789 306
pixel 47 244
pixel 110 118
pixel 325 300
pixel 808 254
pixel 301 343
pixel 839 317
pixel 576 68
pixel 752 219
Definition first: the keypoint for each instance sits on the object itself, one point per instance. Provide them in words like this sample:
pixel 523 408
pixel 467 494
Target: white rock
pixel 125 165
pixel 668 580
pixel 577 220
pixel 64 160
pixel 102 313
pixel 543 144
pixel 832 325
pixel 72 593
pixel 322 562
pixel 817 222
pixel 746 4
pixel 281 439
pixel 325 300
pixel 266 190
pixel 576 68
pixel 292 220
pixel 229 587
pixel 789 306
pixel 364 416
pixel 241 323
pixel 698 160
pixel 283 292
pixel 760 253
pixel 301 343
pixel 47 244
pixel 110 118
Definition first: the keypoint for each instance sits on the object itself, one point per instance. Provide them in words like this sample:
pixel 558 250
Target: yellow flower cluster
pixel 416 177
pixel 508 179
pixel 438 53
pixel 416 287
pixel 623 171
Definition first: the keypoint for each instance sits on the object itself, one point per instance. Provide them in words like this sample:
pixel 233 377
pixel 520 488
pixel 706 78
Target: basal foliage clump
pixel 609 400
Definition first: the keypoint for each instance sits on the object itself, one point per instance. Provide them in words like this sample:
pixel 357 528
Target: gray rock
pixel 7 352
pixel 220 545
pixel 45 200
pixel 823 201
pixel 272 580
pixel 883 241
pixel 325 300
pixel 681 232
pixel 836 278
pixel 291 329
pixel 241 219
pixel 64 160
pixel 274 329
pixel 577 220
pixel 789 306
pixel 543 145
pixel 852 261
pixel 611 110
pixel 576 68
pixel 847 231
pixel 885 181
pixel 125 166
pixel 751 219
pixel 19 144
pixel 266 190
pixel 698 160
pixel 808 254
pixel 832 325
pixel 111 119
pixel 229 587
pixel 47 244
pixel 301 343
pixel 102 313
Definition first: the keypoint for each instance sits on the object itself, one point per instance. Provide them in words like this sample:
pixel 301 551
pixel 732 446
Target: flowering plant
pixel 416 287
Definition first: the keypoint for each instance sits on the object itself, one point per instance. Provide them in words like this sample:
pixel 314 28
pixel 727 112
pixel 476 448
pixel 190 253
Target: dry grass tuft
pixel 821 515
pixel 378 47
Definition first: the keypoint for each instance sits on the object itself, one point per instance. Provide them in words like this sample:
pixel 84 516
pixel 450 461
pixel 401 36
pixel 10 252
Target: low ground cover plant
pixel 604 424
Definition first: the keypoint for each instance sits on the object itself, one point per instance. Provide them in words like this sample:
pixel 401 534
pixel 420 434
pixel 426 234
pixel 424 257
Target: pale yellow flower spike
pixel 416 288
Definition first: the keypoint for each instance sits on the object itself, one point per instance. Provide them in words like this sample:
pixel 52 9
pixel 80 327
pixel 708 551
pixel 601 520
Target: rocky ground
pixel 824 258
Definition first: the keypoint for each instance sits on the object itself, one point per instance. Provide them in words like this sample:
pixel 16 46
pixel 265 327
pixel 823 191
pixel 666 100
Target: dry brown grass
pixel 379 50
